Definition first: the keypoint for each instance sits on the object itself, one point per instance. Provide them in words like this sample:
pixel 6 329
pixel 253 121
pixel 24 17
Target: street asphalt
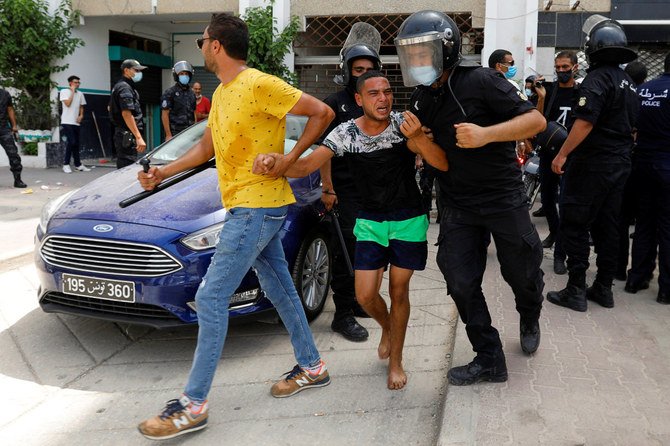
pixel 599 378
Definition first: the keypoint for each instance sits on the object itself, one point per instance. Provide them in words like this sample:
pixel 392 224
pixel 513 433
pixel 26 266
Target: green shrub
pixel 30 148
pixel 267 46
pixel 32 43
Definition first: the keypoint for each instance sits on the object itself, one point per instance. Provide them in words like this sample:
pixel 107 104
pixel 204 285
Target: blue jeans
pixel 250 238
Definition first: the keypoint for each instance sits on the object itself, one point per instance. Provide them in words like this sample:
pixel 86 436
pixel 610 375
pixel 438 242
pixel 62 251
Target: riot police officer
pixel 475 115
pixel 126 114
pixel 178 102
pixel 595 163
pixel 339 188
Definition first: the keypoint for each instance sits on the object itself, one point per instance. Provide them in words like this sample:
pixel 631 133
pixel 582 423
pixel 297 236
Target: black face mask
pixel 564 77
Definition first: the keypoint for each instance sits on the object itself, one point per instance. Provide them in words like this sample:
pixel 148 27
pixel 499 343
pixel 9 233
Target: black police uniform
pixel 125 97
pixel 181 102
pixel 559 103
pixel 651 172
pixel 596 171
pixel 349 201
pixel 6 135
pixel 482 193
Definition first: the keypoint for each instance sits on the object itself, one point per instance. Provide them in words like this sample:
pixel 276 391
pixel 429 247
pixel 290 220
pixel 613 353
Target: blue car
pixel 142 264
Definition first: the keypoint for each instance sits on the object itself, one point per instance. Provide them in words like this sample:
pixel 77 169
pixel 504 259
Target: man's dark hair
pixel 666 65
pixel 368 75
pixel 72 78
pixel 567 54
pixel 637 71
pixel 498 56
pixel 232 33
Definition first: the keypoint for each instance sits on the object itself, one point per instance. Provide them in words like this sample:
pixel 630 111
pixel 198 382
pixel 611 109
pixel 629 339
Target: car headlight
pixel 49 209
pixel 204 239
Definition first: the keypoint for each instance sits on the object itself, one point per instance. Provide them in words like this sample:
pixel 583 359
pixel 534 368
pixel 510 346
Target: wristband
pixel 328 192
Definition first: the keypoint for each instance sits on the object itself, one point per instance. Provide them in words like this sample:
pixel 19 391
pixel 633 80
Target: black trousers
pixel 652 226
pixel 591 203
pixel 342 283
pixel 125 147
pixel 550 185
pixel 461 256
pixel 7 142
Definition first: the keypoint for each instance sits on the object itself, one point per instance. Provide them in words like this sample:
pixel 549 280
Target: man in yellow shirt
pixel 247 118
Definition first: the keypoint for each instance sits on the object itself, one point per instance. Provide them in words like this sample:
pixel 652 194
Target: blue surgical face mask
pixel 528 92
pixel 511 72
pixel 137 76
pixel 184 79
pixel 425 75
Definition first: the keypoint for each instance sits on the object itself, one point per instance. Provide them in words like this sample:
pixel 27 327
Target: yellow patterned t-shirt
pixel 248 117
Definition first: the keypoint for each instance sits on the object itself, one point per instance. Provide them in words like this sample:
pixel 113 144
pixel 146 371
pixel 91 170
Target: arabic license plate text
pixel 109 289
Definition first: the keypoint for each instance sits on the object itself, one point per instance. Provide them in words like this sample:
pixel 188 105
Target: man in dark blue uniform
pixel 555 101
pixel 651 174
pixel 126 114
pixel 339 189
pixel 178 102
pixel 594 174
pixel 8 129
pixel 476 115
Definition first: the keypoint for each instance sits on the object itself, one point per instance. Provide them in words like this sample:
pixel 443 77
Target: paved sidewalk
pixel 598 378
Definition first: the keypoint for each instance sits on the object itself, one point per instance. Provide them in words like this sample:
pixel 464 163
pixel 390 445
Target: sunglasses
pixel 201 40
pixel 508 64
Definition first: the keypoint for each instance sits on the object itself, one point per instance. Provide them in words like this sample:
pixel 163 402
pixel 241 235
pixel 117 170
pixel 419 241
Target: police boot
pixel 600 294
pixel 573 296
pixel 529 334
pixel 482 368
pixel 17 180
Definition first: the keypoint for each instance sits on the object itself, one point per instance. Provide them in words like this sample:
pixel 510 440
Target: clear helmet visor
pixel 420 60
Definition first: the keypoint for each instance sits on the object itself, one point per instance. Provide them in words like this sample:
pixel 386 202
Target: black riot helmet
pixel 427 31
pixel 180 66
pixel 358 51
pixel 606 42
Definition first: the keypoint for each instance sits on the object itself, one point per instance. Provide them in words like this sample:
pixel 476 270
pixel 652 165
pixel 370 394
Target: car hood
pixel 186 206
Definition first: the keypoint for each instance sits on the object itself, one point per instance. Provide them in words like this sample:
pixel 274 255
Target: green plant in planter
pixel 30 148
pixel 32 41
pixel 267 46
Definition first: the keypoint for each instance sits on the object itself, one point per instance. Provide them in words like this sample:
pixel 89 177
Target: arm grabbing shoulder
pixel 419 142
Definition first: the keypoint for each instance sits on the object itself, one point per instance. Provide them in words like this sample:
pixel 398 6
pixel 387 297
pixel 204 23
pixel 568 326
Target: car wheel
pixel 311 273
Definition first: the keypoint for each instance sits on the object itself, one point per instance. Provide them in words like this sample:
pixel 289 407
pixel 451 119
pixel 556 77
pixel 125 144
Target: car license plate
pixel 109 289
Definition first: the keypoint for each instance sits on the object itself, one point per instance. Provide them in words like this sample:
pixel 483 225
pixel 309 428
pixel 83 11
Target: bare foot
pixel 397 378
pixel 384 349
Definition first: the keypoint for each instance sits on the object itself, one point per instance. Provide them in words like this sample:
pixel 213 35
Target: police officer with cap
pixel 595 162
pixel 126 114
pixel 476 115
pixel 178 102
pixel 339 188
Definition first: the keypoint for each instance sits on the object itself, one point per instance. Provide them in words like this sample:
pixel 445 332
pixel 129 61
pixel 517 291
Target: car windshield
pixel 177 146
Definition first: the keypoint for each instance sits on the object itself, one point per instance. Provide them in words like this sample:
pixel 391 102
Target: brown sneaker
pixel 176 419
pixel 299 379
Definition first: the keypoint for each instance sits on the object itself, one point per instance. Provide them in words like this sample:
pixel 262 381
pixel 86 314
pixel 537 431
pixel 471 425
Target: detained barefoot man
pixel 380 149
pixel 257 208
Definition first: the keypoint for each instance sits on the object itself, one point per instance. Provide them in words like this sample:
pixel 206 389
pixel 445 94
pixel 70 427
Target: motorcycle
pixel 551 139
pixel 530 174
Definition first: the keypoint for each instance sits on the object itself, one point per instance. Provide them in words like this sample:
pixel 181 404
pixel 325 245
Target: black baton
pixel 165 184
pixel 343 245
